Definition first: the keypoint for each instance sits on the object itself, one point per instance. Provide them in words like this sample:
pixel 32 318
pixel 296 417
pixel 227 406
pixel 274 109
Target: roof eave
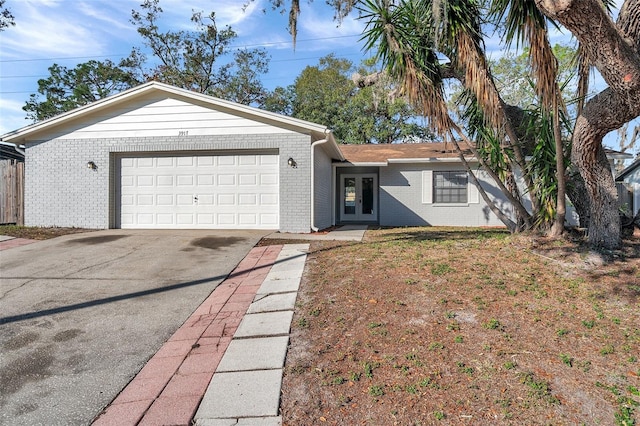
pixel 428 160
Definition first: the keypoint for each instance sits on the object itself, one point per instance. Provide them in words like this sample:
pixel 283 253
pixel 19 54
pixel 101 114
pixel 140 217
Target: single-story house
pixel 157 156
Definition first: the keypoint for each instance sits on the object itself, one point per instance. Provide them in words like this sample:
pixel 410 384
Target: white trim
pixel 314 228
pixel 358 215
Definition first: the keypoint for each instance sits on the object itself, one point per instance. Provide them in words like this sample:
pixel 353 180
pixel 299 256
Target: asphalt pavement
pixel 82 314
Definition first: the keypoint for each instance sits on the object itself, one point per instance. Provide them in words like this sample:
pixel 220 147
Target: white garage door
pixel 203 191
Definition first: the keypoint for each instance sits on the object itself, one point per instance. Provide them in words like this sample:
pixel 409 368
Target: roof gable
pixel 154 94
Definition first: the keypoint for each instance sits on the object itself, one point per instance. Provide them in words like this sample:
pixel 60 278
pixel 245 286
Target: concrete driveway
pixel 81 314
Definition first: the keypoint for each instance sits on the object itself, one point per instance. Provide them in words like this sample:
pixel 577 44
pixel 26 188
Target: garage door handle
pixel 195 198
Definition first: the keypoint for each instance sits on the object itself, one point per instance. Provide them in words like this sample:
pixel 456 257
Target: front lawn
pixel 447 326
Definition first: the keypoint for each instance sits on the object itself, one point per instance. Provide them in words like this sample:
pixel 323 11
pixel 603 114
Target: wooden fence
pixel 12 192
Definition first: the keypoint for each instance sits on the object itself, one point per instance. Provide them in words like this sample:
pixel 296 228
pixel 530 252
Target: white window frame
pixel 473 196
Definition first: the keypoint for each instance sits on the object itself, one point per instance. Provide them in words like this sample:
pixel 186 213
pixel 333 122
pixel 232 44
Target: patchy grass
pixel 37 233
pixel 454 326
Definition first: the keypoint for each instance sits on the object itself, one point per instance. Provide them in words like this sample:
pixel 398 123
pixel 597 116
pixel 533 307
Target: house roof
pixel 9 151
pixel 628 170
pixel 382 154
pixel 31 132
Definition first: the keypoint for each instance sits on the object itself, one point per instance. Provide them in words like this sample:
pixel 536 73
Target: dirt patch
pixel 439 326
pixel 37 233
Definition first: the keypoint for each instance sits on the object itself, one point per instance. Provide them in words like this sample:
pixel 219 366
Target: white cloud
pixel 108 16
pixel 233 12
pixel 11 115
pixel 48 29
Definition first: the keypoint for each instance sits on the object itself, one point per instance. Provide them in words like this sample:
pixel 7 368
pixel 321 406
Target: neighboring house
pixel 628 184
pixel 161 157
pixel 11 152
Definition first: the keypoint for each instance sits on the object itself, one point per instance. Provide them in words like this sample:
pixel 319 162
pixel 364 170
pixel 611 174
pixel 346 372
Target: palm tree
pixel 410 37
pixel 410 47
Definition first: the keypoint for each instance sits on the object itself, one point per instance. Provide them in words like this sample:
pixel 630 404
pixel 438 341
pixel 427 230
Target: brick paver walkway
pixel 171 385
pixel 15 242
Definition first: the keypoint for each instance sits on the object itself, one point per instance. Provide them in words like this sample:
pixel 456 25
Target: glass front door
pixel 359 197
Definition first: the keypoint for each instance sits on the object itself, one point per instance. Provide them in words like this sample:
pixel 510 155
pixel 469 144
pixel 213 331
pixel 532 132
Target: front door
pixel 359 198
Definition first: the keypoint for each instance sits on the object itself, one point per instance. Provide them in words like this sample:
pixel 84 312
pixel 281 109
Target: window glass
pixel 450 187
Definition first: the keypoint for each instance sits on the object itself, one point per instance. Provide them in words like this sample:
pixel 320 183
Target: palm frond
pixel 403 39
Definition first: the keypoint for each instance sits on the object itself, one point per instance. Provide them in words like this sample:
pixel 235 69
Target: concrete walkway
pixel 343 233
pixel 224 365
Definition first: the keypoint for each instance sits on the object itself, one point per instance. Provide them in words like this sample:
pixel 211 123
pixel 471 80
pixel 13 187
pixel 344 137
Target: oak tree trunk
pixel 613 49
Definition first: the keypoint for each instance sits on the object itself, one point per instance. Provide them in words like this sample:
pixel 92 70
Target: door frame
pixel 358 216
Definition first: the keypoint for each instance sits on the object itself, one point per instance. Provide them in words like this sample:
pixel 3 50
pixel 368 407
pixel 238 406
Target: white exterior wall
pixel 322 187
pixel 158 116
pixel 402 201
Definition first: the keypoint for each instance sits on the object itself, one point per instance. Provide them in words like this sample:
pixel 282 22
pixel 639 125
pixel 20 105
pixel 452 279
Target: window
pixel 450 187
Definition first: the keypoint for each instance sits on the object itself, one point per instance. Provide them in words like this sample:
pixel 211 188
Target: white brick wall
pixel 61 191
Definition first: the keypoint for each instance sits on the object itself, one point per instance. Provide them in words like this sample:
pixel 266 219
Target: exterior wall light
pixel 91 165
pixel 292 163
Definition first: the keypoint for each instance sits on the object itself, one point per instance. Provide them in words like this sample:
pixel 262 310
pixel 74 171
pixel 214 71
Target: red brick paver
pixel 171 385
pixel 15 242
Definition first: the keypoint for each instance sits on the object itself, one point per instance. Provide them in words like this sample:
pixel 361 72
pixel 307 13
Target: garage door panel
pixel 206 200
pixel 144 162
pixel 207 191
pixel 226 180
pixel 247 199
pixel 145 200
pixel 185 219
pixel 164 180
pixel 205 160
pixel 227 199
pixel 184 180
pixel 206 180
pixel 164 219
pixel 248 160
pixel 269 199
pixel 165 162
pixel 248 219
pixel 268 179
pixel 226 160
pixel 228 219
pixel 185 161
pixel 268 220
pixel 165 200
pixel 184 200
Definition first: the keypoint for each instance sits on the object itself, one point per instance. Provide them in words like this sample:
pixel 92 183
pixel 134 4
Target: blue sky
pixel 68 32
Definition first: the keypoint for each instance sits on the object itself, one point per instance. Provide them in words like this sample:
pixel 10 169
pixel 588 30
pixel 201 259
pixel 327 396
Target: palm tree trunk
pixel 561 206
